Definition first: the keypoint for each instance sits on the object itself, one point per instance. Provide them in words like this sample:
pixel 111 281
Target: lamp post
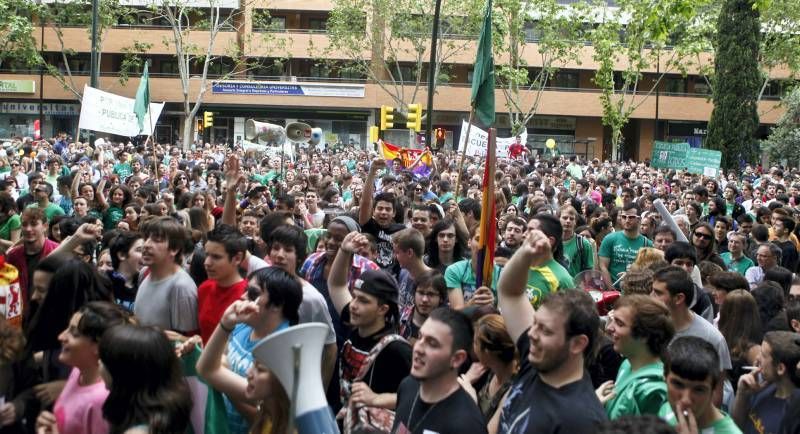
pixel 432 74
pixel 95 58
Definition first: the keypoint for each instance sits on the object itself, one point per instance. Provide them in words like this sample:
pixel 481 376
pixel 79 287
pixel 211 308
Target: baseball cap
pixel 379 284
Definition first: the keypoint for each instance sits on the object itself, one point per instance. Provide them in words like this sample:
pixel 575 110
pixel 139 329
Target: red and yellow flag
pixel 488 228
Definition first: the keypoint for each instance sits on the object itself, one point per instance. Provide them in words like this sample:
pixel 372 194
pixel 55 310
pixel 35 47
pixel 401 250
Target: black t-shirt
pixel 390 367
pixel 532 406
pixel 383 235
pixel 456 414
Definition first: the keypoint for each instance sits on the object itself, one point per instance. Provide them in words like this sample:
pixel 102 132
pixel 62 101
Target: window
pixel 701 87
pixel 532 32
pixel 317 23
pixel 319 71
pixel 565 80
pixel 168 67
pixel 264 22
pixel 675 85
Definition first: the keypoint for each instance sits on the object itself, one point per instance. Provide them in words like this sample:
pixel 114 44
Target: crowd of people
pixel 136 281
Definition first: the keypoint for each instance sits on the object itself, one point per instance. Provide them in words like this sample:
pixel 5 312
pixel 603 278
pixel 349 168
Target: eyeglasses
pixel 702 235
pixel 628 217
pixel 14 164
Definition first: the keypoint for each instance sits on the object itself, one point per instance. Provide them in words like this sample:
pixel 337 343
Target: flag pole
pixel 463 154
pixel 149 135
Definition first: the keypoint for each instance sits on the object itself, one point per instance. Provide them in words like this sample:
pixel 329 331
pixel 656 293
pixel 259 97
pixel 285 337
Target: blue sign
pixel 244 88
pixel 287 88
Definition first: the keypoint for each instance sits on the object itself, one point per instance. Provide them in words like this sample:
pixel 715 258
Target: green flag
pixel 142 98
pixel 482 99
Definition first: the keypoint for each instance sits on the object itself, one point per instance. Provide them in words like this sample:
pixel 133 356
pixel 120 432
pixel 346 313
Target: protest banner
pixel 109 113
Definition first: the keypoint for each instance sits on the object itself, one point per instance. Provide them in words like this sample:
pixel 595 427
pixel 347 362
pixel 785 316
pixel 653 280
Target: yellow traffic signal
pixel 387 117
pixel 199 125
pixel 373 134
pixel 208 119
pixel 414 118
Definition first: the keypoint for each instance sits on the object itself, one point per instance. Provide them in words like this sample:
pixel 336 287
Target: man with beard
pixel 431 399
pixel 553 343
pixel 513 234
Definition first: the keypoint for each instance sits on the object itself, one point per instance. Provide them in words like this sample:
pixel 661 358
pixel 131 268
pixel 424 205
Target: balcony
pixel 452 98
pixel 116 39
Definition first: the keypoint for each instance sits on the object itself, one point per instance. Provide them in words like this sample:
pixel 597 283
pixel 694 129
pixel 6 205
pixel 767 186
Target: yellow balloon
pixel 550 143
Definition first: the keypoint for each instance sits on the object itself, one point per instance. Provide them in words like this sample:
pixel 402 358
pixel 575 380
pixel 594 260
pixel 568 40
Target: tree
pixel 738 79
pixel 18 48
pixel 783 142
pixel 639 34
pixel 387 41
pixel 195 59
pixel 59 15
pixel 556 30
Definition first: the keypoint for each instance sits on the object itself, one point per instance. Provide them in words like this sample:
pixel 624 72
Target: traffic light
pixel 387 117
pixel 200 126
pixel 208 119
pixel 414 118
pixel 373 134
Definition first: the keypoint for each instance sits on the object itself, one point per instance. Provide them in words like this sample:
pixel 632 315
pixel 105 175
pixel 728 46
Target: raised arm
pixel 365 209
pixel 100 195
pixel 512 298
pixel 210 367
pixel 233 177
pixel 337 279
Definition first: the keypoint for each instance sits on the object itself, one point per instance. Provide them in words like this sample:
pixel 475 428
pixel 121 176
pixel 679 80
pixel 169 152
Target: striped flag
pixel 488 229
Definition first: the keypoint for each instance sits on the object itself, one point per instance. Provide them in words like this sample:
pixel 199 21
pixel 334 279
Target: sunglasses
pixel 702 235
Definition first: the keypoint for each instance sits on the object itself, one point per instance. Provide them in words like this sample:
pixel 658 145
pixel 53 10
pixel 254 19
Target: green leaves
pixel 783 142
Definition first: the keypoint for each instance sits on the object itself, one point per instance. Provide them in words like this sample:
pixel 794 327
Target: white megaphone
pixel 298 132
pixel 316 136
pixel 264 131
pixel 294 355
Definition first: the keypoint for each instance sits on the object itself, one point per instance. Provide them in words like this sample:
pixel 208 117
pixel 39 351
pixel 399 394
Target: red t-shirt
pixel 212 300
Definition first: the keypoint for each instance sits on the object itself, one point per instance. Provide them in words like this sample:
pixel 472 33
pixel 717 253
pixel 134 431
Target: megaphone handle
pixel 297 350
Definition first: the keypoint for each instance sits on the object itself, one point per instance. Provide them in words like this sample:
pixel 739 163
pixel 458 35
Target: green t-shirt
pixel 637 393
pixel 123 170
pixel 739 266
pixel 50 211
pixel 112 216
pixel 11 224
pixel 574 261
pixel 313 235
pixel 621 251
pixel 545 279
pixel 461 275
pixel 726 425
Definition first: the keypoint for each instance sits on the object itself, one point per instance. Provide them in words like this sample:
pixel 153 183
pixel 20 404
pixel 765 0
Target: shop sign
pixel 32 108
pixel 285 88
pixel 17 86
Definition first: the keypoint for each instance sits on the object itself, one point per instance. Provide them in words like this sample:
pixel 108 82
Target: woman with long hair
pixel 640 328
pixel 497 352
pixel 740 324
pixel 445 246
pixel 156 400
pixel 273 297
pixel 77 409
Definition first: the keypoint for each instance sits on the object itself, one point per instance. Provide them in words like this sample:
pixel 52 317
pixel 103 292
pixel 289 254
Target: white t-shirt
pixel 314 309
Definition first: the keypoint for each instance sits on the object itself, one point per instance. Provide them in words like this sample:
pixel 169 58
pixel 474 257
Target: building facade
pixel 344 105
